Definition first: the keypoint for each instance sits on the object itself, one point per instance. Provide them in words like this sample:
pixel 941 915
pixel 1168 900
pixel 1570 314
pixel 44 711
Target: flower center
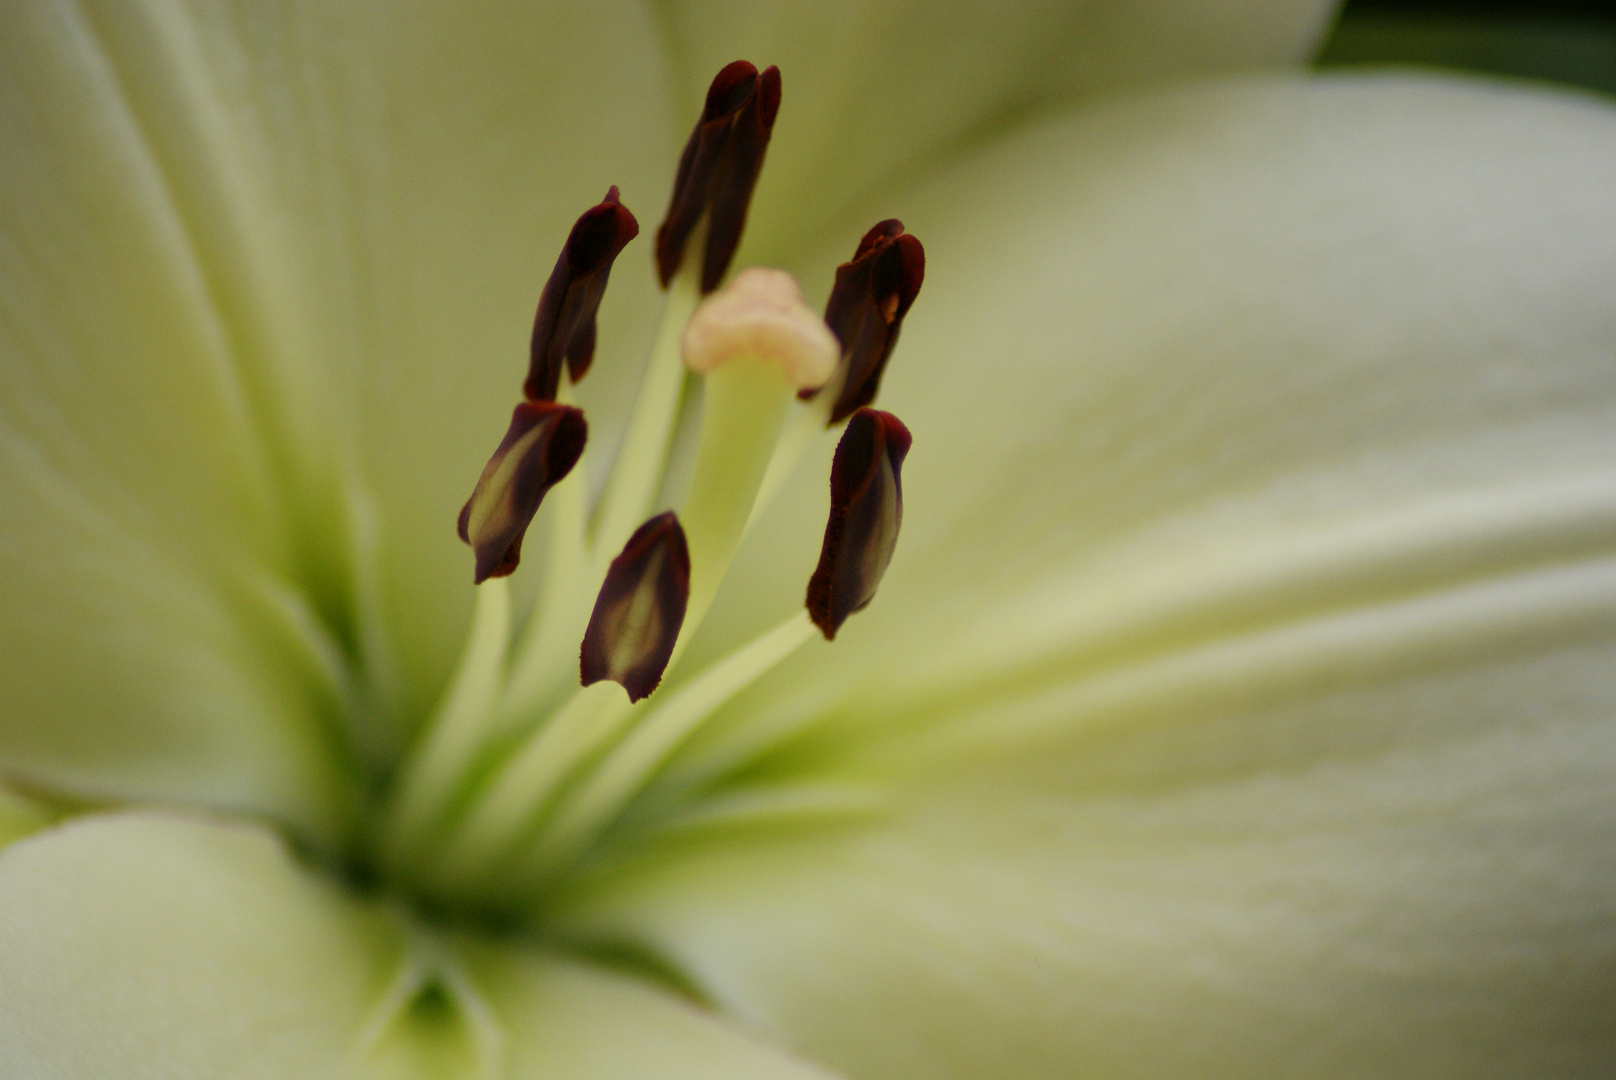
pixel 549 731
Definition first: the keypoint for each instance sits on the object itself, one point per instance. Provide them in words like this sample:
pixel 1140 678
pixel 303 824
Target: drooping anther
pixel 564 327
pixel 718 170
pixel 639 610
pixel 866 510
pixel 761 314
pixel 867 304
pixel 540 447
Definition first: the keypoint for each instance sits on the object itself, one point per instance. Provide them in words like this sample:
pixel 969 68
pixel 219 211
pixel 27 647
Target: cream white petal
pixel 143 946
pixel 1211 361
pixel 133 480
pixel 878 92
pixel 1410 879
pixel 1240 700
pixel 267 276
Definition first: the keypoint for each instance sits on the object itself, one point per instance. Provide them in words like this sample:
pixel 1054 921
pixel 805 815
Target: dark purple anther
pixel 866 510
pixel 564 328
pixel 718 170
pixel 639 610
pixel 541 446
pixel 867 304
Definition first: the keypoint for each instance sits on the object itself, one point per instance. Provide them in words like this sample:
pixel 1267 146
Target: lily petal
pixel 875 91
pixel 145 946
pixel 232 433
pixel 137 511
pixel 1341 886
pixel 1295 347
pixel 1264 724
pixel 265 276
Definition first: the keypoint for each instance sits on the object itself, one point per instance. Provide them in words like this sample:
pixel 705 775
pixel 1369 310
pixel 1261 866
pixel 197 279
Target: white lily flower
pixel 1238 700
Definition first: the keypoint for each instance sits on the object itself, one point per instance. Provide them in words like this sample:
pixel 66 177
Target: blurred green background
pixel 1564 41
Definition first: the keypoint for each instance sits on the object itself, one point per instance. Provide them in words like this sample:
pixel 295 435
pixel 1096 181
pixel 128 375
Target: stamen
pixel 718 169
pixel 641 460
pixel 541 661
pixel 628 766
pixel 639 610
pixel 453 737
pixel 516 794
pixel 866 510
pixel 564 326
pixel 540 447
pixel 872 294
pixel 515 775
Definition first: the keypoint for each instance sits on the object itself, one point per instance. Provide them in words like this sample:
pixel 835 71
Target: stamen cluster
pixel 530 756
pixel 643 602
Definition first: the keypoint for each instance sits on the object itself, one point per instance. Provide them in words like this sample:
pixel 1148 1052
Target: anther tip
pixel 911 259
pixel 866 512
pixel 599 234
pixel 730 88
pixel 541 446
pixel 881 230
pixel 564 324
pixel 717 172
pixel 873 292
pixel 639 610
pixel 769 96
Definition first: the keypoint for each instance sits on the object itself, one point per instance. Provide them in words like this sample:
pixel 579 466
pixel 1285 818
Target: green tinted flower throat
pixel 547 731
